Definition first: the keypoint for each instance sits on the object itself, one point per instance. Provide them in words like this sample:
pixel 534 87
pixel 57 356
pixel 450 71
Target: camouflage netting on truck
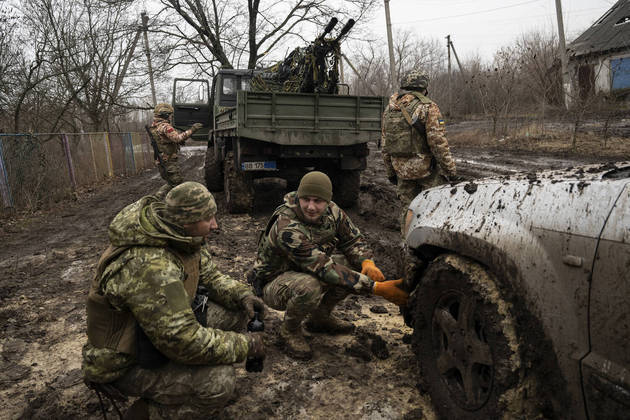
pixel 311 69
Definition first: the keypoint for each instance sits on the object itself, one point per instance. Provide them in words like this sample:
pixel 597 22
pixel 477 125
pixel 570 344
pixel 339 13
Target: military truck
pixel 270 123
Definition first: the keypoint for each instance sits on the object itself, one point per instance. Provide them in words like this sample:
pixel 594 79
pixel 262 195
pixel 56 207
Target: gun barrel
pixel 346 28
pixel 329 27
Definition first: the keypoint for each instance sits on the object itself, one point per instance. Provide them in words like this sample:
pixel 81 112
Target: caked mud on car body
pixel 521 294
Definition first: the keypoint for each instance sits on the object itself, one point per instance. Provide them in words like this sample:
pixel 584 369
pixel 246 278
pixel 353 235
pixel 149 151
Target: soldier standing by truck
pixel 168 142
pixel 415 149
pixel 310 257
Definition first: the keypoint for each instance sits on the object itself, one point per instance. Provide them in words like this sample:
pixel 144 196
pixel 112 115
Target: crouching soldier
pixel 144 339
pixel 310 257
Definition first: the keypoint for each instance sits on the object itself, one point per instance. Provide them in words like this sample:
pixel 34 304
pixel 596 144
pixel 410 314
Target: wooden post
pixel 66 148
pixel 448 47
pixel 145 28
pixel 93 157
pixel 131 150
pixel 108 154
pixel 5 188
pixel 566 82
pixel 390 46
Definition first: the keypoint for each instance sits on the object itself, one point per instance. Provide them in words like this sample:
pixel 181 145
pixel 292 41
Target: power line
pixel 469 14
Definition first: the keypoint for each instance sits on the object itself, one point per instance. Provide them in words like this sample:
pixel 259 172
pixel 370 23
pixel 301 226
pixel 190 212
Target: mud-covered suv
pixel 521 294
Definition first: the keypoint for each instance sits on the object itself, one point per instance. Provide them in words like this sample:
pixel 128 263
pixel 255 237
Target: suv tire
pixel 466 344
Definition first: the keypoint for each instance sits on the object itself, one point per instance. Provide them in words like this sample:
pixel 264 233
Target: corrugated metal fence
pixel 44 167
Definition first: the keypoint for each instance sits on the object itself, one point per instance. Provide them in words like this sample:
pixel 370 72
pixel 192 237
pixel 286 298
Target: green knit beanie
pixel 189 202
pixel 315 184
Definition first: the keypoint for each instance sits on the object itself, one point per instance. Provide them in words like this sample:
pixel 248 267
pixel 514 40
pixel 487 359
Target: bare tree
pixel 498 83
pixel 221 33
pixel 372 62
pixel 81 48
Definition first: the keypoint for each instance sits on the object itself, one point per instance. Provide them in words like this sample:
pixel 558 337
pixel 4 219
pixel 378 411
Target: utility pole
pixel 461 69
pixel 390 44
pixel 566 82
pixel 367 85
pixel 448 47
pixel 145 27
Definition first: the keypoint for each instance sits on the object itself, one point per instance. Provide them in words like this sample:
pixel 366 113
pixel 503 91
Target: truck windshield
pixel 229 86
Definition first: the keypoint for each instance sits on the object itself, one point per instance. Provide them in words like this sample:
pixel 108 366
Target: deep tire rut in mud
pixel 47 261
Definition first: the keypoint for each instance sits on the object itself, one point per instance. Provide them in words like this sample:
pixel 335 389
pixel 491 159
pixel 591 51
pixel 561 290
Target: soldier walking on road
pixel 144 339
pixel 415 149
pixel 169 141
pixel 310 257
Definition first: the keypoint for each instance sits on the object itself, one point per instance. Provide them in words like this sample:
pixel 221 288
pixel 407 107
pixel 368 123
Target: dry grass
pixel 532 139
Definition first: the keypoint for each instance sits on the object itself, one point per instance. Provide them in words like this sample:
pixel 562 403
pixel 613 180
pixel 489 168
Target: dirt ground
pixel 47 260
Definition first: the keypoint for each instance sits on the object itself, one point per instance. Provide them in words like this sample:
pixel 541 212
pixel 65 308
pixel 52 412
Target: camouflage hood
pixel 140 223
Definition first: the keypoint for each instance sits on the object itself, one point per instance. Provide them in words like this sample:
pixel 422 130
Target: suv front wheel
pixel 466 344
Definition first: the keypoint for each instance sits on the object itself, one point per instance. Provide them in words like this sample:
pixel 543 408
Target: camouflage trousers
pixel 408 189
pixel 171 173
pixel 176 391
pixel 302 294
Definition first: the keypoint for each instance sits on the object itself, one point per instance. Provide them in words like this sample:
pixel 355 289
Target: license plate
pixel 269 165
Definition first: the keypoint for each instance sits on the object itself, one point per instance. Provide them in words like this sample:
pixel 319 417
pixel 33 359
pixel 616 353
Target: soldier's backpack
pixel 401 138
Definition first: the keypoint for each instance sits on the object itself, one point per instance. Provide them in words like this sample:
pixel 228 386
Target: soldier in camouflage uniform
pixel 169 141
pixel 310 257
pixel 415 149
pixel 143 337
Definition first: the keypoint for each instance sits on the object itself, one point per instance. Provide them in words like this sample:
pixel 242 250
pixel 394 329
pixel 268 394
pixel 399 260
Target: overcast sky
pixel 482 26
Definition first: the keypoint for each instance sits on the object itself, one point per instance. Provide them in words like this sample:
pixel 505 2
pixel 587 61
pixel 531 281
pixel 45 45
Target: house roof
pixel 609 33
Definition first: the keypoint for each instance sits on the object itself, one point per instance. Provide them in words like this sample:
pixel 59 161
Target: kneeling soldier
pixel 310 257
pixel 143 337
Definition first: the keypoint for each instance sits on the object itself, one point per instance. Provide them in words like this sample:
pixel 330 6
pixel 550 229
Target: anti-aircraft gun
pixel 281 122
pixel 310 69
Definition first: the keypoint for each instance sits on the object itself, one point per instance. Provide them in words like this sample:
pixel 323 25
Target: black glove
pixel 251 304
pixel 393 179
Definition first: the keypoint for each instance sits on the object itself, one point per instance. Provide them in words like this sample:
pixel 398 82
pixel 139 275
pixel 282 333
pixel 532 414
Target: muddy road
pixel 47 260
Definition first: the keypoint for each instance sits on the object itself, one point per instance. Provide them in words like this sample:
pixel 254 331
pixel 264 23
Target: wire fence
pixel 47 167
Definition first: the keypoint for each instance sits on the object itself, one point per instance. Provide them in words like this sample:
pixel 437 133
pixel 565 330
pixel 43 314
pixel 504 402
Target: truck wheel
pixel 466 344
pixel 346 186
pixel 213 171
pixel 239 191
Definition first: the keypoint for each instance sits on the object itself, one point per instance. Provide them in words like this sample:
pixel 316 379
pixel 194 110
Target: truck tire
pixel 346 185
pixel 466 343
pixel 213 171
pixel 239 191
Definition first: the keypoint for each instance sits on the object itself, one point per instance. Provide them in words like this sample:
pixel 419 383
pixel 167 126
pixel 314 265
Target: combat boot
pixel 328 324
pixel 295 344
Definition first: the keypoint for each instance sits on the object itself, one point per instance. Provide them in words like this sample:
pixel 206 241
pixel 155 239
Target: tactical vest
pixel 111 328
pixel 402 139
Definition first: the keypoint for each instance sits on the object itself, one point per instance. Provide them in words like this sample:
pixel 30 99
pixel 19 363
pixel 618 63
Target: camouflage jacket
pixel 167 138
pixel 142 280
pixel 415 166
pixel 291 244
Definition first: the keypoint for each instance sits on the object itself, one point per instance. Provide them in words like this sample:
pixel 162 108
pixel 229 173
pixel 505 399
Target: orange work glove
pixel 390 291
pixel 369 269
